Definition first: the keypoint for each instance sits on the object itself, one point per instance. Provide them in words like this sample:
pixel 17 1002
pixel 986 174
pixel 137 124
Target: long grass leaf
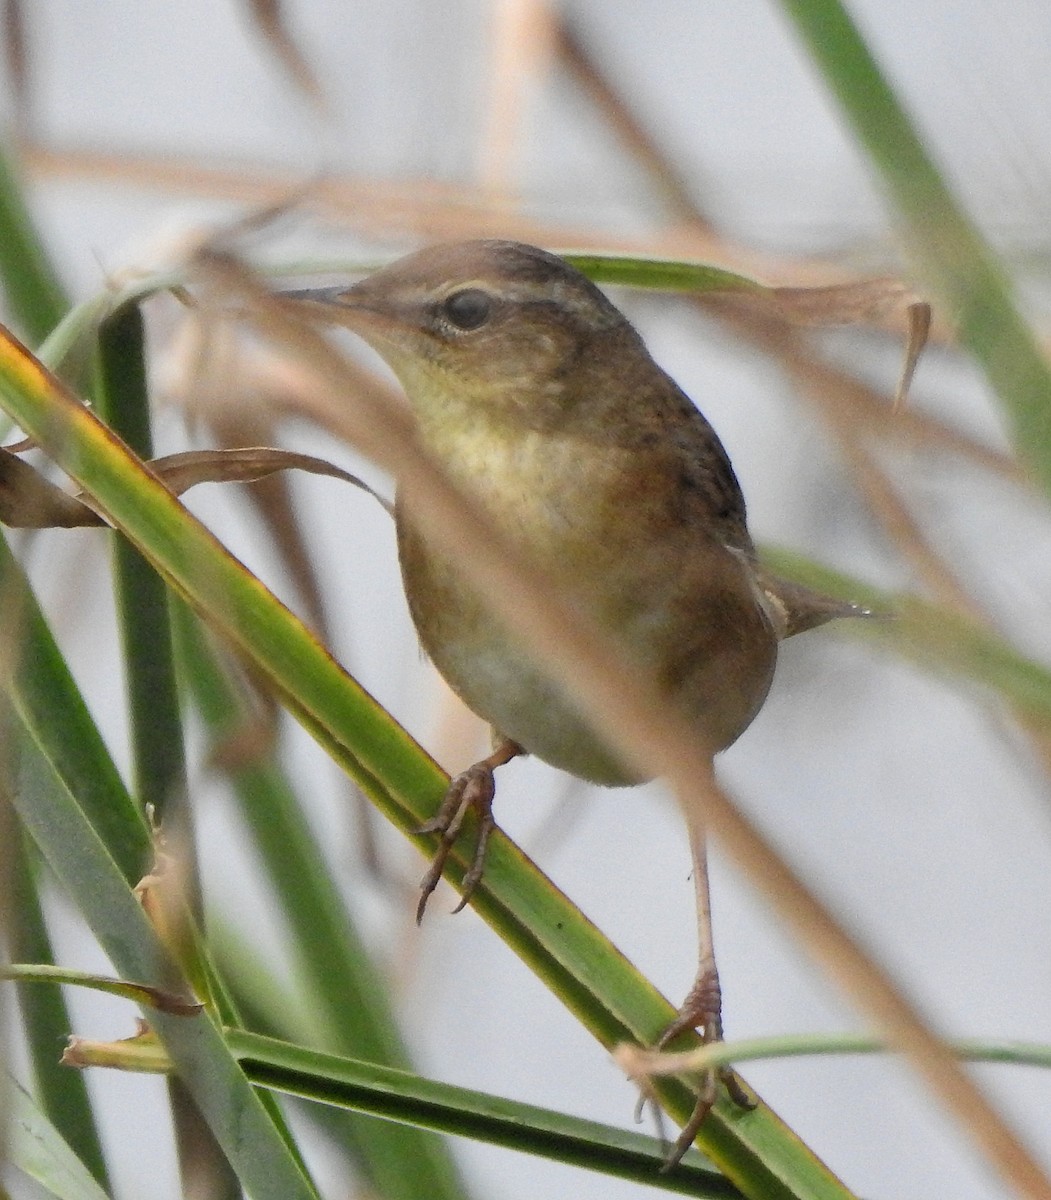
pixel 346 1002
pixel 33 289
pixel 944 242
pixel 38 1150
pixel 253 1145
pixel 46 1022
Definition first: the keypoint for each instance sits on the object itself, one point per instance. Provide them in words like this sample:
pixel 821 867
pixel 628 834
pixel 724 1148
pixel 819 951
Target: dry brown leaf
pixel 29 501
pixel 269 18
pixel 620 117
pixel 397 211
pixel 865 301
pixel 16 58
pixel 244 465
pixel 872 302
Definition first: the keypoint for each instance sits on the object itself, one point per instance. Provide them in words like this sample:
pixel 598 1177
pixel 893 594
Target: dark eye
pixel 468 309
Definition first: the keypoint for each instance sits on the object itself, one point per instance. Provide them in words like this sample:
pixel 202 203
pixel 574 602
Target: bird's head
pixel 494 326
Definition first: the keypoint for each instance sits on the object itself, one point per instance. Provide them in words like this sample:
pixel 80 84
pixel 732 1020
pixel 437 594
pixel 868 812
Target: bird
pixel 541 401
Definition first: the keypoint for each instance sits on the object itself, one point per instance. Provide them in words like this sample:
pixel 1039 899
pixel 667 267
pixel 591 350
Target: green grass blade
pixel 34 292
pixel 37 1149
pixel 142 599
pixel 140 993
pixel 935 638
pixel 62 1096
pixel 252 1143
pixel 399 1096
pixel 347 1003
pixel 47 700
pixel 665 274
pixel 946 246
pixel 632 270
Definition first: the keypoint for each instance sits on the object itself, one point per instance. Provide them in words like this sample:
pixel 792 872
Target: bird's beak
pixel 320 295
pixel 391 330
pixel 352 307
pixel 328 300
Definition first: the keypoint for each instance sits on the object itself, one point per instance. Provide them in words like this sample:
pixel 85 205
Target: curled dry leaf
pixel 865 301
pixel 245 465
pixel 142 1053
pixel 29 501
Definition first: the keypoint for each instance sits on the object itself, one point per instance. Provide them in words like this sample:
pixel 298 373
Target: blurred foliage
pixel 86 829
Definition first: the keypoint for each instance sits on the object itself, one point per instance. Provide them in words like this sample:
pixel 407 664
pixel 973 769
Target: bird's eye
pixel 468 309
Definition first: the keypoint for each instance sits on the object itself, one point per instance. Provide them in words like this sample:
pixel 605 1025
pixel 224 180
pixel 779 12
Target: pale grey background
pixel 922 819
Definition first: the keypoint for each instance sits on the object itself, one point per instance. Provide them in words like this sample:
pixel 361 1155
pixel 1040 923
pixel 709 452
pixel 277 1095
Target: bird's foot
pixel 702 1011
pixel 473 788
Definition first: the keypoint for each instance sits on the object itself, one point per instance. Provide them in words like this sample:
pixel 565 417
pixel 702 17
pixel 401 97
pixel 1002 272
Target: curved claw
pixel 706 1097
pixel 473 788
pixel 702 1010
pixel 486 825
pixel 705 1102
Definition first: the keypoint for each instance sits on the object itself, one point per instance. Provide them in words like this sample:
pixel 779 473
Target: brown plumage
pixel 542 402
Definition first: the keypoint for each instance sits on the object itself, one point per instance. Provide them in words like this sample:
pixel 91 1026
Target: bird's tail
pixel 797 608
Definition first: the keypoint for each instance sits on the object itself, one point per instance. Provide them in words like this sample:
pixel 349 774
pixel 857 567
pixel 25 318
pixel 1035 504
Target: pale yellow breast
pixel 676 601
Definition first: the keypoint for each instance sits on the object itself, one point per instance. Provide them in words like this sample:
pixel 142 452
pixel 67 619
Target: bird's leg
pixel 702 1008
pixel 473 788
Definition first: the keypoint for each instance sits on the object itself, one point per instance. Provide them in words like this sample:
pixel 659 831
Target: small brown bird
pixel 542 402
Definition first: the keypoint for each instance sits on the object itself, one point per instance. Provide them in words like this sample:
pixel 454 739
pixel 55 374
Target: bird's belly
pixel 499 682
pixel 708 646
